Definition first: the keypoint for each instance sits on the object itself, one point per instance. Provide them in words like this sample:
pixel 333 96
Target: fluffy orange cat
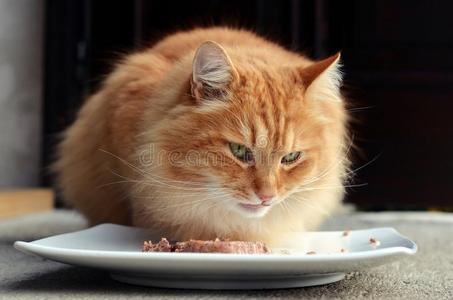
pixel 210 133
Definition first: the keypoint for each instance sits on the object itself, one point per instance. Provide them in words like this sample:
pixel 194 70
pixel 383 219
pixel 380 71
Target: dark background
pixel 397 63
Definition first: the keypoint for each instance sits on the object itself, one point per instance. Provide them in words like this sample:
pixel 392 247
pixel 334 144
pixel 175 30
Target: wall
pixel 21 46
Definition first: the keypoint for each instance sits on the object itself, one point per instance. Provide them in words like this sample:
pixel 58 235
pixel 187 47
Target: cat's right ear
pixel 212 72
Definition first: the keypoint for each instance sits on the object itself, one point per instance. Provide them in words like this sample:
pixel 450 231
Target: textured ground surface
pixel 427 275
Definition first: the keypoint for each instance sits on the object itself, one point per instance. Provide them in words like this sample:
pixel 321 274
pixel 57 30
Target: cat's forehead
pixel 263 123
pixel 267 109
pixel 263 82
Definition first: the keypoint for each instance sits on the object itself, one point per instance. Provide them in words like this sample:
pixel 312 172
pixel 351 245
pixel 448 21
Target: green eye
pixel 241 152
pixel 291 157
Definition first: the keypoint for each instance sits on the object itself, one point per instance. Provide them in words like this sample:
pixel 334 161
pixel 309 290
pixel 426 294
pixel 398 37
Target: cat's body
pixel 153 146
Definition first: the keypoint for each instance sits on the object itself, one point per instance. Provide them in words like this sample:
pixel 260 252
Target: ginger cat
pixel 210 133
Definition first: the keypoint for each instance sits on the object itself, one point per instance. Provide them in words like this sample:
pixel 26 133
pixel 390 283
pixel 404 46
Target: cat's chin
pixel 251 211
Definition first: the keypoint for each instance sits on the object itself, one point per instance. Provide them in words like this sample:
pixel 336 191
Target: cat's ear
pixel 323 75
pixel 212 72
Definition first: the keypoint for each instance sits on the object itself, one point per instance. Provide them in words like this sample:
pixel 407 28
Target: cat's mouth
pixel 253 210
pixel 253 206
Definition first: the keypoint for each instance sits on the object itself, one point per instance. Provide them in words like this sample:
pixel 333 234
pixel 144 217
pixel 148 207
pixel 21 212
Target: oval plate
pixel 117 249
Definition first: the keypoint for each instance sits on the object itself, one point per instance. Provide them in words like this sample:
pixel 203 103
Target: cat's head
pixel 253 130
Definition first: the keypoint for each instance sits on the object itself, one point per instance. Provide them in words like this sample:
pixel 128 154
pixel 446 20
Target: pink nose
pixel 265 197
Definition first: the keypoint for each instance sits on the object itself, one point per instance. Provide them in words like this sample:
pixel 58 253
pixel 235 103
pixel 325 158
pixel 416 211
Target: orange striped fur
pixel 150 148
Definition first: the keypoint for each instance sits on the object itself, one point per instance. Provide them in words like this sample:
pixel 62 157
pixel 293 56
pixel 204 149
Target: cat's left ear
pixel 323 75
pixel 212 72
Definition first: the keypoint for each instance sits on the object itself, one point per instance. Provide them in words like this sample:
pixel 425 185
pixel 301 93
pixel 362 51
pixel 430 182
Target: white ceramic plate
pixel 118 249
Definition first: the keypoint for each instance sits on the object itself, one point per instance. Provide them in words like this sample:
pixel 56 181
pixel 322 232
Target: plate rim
pixel 35 249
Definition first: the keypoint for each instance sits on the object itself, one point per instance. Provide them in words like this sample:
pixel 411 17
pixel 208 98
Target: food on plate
pixel 211 246
pixel 374 242
pixel 163 246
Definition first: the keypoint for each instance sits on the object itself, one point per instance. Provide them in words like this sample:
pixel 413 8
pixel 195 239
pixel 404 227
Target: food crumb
pixel 311 252
pixel 343 250
pixel 375 243
pixel 346 233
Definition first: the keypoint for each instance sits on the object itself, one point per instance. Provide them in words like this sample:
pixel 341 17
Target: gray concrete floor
pixel 427 275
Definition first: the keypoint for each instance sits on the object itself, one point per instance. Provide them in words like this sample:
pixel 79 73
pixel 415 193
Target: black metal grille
pixel 397 65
